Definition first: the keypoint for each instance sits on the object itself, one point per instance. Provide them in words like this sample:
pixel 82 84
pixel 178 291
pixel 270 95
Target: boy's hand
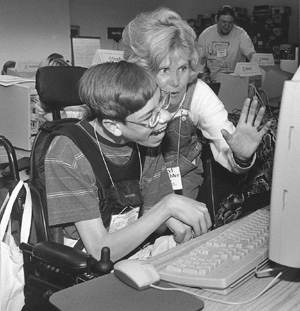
pixel 181 232
pixel 189 212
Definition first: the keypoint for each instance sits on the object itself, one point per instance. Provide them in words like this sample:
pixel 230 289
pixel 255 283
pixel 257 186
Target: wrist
pixel 167 204
pixel 243 163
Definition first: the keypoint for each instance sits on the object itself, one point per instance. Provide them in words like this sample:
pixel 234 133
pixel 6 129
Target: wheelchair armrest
pixel 58 255
pixel 64 255
pixel 68 258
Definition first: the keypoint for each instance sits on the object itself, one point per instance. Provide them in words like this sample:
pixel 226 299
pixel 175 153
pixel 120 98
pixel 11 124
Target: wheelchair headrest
pixel 57 86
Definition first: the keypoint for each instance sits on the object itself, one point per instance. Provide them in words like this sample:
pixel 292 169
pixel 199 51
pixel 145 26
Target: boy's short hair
pixel 115 90
pixel 225 10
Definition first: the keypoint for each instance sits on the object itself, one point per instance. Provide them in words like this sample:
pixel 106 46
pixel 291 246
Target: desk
pixel 284 295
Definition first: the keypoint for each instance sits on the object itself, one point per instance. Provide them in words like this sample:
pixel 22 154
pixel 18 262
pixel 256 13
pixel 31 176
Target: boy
pixel 129 112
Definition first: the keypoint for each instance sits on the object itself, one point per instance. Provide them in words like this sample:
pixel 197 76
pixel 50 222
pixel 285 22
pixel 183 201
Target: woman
pixel 166 46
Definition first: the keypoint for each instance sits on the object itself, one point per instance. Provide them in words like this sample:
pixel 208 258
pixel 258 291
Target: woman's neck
pixel 174 111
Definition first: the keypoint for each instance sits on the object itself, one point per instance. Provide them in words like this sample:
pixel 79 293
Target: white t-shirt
pixel 221 53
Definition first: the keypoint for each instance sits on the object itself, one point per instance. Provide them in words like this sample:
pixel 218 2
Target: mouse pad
pixel 109 293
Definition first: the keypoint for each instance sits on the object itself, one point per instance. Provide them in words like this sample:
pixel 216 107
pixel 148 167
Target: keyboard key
pixel 223 259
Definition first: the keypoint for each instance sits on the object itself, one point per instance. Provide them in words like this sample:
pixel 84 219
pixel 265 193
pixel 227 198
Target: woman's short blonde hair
pixel 152 36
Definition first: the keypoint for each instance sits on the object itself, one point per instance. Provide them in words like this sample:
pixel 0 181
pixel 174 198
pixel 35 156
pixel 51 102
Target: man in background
pixel 8 64
pixel 224 44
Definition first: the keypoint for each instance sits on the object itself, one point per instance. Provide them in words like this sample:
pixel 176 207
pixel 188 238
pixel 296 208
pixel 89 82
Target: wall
pixel 32 29
pixel 94 16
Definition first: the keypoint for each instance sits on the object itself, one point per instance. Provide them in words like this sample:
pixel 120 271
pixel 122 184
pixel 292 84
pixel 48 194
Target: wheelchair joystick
pixel 105 265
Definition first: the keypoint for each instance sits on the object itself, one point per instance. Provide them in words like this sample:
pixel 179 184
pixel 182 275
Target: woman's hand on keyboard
pixel 190 213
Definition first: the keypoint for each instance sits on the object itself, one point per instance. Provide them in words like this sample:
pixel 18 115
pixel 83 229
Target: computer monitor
pixel 284 243
pixel 103 56
pixel 263 59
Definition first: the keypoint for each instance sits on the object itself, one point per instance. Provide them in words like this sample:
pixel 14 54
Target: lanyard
pixel 179 129
pixel 101 152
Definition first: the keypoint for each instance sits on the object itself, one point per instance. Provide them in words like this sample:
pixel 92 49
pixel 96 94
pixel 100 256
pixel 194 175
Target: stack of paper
pixel 6 80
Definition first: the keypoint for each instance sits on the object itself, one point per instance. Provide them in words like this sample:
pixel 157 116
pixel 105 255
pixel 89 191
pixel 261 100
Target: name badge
pixel 175 177
pixel 120 221
pixel 221 53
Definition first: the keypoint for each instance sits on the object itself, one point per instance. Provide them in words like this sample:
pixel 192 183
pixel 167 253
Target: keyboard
pixel 222 260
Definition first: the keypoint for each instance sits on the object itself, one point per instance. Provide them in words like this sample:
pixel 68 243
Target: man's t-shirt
pixel 221 53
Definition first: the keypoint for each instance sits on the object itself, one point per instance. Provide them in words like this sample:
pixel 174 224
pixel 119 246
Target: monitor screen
pixel 103 56
pixel 284 244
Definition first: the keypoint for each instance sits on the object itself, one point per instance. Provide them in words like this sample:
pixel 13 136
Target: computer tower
pixel 18 122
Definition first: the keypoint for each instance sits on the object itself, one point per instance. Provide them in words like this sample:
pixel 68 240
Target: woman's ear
pixel 112 127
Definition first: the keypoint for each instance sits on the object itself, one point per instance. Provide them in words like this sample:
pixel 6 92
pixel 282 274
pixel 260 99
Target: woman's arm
pixel 228 143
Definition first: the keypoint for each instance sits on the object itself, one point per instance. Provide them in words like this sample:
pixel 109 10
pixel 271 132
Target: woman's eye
pixel 183 68
pixel 163 70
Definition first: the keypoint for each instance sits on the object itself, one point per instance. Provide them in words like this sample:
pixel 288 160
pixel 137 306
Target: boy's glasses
pixel 154 119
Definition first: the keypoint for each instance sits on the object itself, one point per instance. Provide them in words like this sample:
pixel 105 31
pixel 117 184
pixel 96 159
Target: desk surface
pixel 284 295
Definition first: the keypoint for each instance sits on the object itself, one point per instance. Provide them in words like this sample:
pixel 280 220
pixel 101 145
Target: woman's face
pixel 173 76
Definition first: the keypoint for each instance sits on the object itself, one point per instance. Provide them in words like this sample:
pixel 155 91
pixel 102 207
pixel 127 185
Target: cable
pixel 260 89
pixel 256 93
pixel 266 105
pixel 217 300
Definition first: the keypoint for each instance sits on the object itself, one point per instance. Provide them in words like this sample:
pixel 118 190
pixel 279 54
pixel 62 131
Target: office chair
pixel 57 87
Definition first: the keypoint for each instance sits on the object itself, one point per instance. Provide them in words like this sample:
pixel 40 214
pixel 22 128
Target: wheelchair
pixel 49 266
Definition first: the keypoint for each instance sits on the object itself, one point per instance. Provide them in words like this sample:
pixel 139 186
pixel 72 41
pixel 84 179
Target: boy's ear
pixel 112 127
